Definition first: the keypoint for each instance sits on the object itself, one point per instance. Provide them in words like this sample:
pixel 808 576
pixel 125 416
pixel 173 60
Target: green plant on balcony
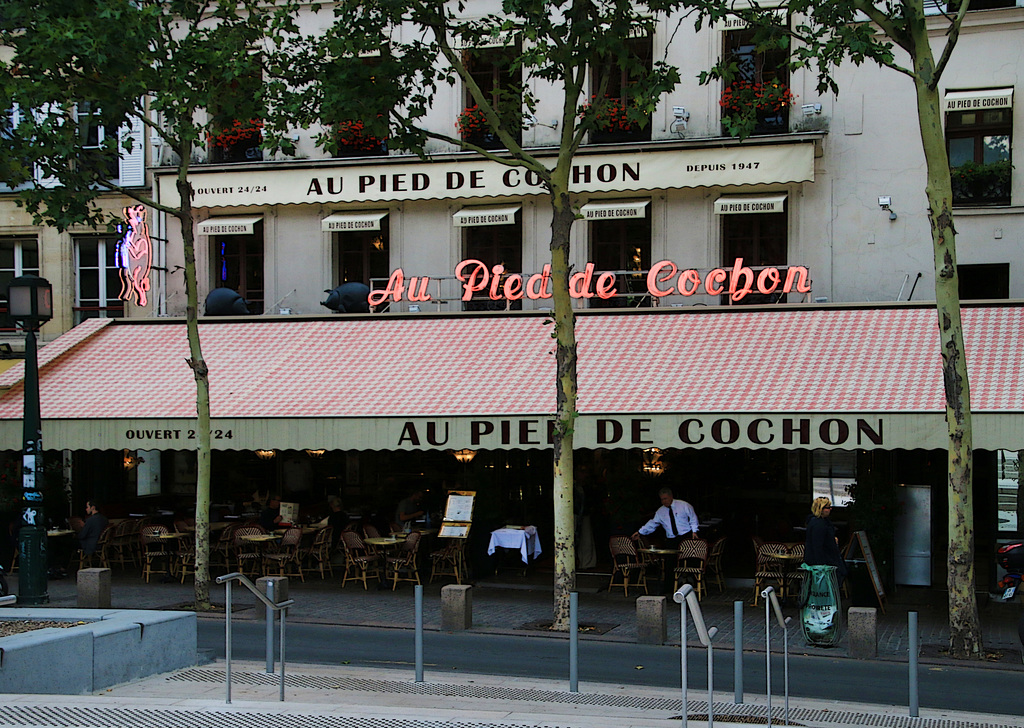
pixel 982 183
pixel 749 107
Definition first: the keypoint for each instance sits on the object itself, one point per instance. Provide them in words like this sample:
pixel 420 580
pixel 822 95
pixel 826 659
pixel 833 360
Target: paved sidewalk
pixel 511 602
pixel 343 697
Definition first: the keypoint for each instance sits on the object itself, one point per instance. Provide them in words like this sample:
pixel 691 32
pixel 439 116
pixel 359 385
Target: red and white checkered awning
pixel 784 377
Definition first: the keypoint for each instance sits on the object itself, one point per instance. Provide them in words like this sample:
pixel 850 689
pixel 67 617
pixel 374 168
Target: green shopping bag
pixel 820 614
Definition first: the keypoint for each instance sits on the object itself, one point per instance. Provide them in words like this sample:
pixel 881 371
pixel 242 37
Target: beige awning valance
pixel 614 209
pixel 229 225
pixel 478 216
pixel 349 221
pixel 980 100
pixel 748 204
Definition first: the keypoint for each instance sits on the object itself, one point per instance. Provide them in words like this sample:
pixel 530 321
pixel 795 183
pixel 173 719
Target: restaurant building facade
pixel 828 193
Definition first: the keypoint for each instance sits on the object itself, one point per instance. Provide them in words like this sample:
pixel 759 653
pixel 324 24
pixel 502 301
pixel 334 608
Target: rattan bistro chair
pixel 692 564
pixel 627 563
pixel 360 564
pixel 769 569
pixel 403 566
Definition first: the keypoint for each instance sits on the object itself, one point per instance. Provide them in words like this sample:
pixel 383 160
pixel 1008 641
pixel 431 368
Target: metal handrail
pixel 9 599
pixel 687 597
pixel 281 607
pixel 771 605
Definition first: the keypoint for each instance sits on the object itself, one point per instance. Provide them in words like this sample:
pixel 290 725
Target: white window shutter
pixel 132 165
pixel 41 179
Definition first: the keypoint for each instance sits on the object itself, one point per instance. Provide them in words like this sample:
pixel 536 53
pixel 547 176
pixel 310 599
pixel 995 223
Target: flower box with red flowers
pixel 240 133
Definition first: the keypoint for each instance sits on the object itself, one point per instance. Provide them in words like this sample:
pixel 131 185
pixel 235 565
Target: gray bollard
pixel 419 633
pixel 268 585
pixel 574 642
pixel 914 649
pixel 737 660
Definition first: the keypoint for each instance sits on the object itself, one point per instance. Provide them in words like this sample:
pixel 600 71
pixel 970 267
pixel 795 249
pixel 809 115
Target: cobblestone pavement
pixel 508 604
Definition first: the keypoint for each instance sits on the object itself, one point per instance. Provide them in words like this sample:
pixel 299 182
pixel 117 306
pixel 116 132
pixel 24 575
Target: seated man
pixel 95 522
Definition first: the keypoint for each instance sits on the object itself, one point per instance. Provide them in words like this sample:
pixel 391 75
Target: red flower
pixel 471 121
pixel 352 134
pixel 249 132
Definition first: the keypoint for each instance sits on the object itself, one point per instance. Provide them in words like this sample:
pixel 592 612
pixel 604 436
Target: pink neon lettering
pixel 475 281
pixel 653 280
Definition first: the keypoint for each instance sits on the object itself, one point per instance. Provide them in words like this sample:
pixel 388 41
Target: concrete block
pixel 110 647
pixel 54 661
pixel 94 588
pixel 651 620
pixel 456 607
pixel 862 624
pixel 280 593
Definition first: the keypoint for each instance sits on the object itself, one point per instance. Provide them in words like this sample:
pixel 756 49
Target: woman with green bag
pixel 820 613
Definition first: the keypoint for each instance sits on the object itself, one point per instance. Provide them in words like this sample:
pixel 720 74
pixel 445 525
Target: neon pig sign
pixel 663 279
pixel 133 255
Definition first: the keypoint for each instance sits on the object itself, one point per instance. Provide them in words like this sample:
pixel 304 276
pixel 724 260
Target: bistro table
pixel 524 540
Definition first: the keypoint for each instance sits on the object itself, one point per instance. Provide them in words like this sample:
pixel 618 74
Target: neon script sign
pixel 663 279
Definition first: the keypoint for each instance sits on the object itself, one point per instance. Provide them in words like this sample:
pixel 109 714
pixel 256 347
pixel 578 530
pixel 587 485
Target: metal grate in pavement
pixel 89 717
pixel 721 710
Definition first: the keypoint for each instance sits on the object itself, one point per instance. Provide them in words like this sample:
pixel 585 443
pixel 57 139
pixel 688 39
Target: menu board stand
pixel 458 514
pixel 860 539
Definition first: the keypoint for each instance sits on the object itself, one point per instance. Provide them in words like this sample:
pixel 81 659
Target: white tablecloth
pixel 524 539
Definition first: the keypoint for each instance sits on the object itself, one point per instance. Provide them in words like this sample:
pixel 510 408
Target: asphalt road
pixel 976 689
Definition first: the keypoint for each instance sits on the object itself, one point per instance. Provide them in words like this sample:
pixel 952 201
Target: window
pixel 979 141
pixel 1009 490
pixel 493 245
pixel 349 137
pixel 761 239
pixel 98 280
pixel 954 6
pixel 612 125
pixel 491 69
pixel 235 134
pixel 832 474
pixel 984 281
pixel 18 257
pixel 94 136
pixel 363 255
pixel 622 246
pixel 762 80
pixel 239 261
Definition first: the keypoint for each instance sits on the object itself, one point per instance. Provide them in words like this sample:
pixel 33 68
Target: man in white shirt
pixel 678 519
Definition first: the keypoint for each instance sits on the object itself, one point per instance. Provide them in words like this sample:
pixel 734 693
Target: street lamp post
pixel 30 304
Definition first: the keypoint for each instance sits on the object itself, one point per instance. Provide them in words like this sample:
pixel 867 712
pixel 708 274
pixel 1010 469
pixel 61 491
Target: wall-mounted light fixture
pixel 681 118
pixel 266 454
pixel 316 454
pixel 811 109
pixel 884 203
pixel 530 121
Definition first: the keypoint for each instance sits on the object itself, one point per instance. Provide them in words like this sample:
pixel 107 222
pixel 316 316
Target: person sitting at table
pixel 409 510
pixel 271 515
pixel 337 520
pixel 678 519
pixel 95 522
